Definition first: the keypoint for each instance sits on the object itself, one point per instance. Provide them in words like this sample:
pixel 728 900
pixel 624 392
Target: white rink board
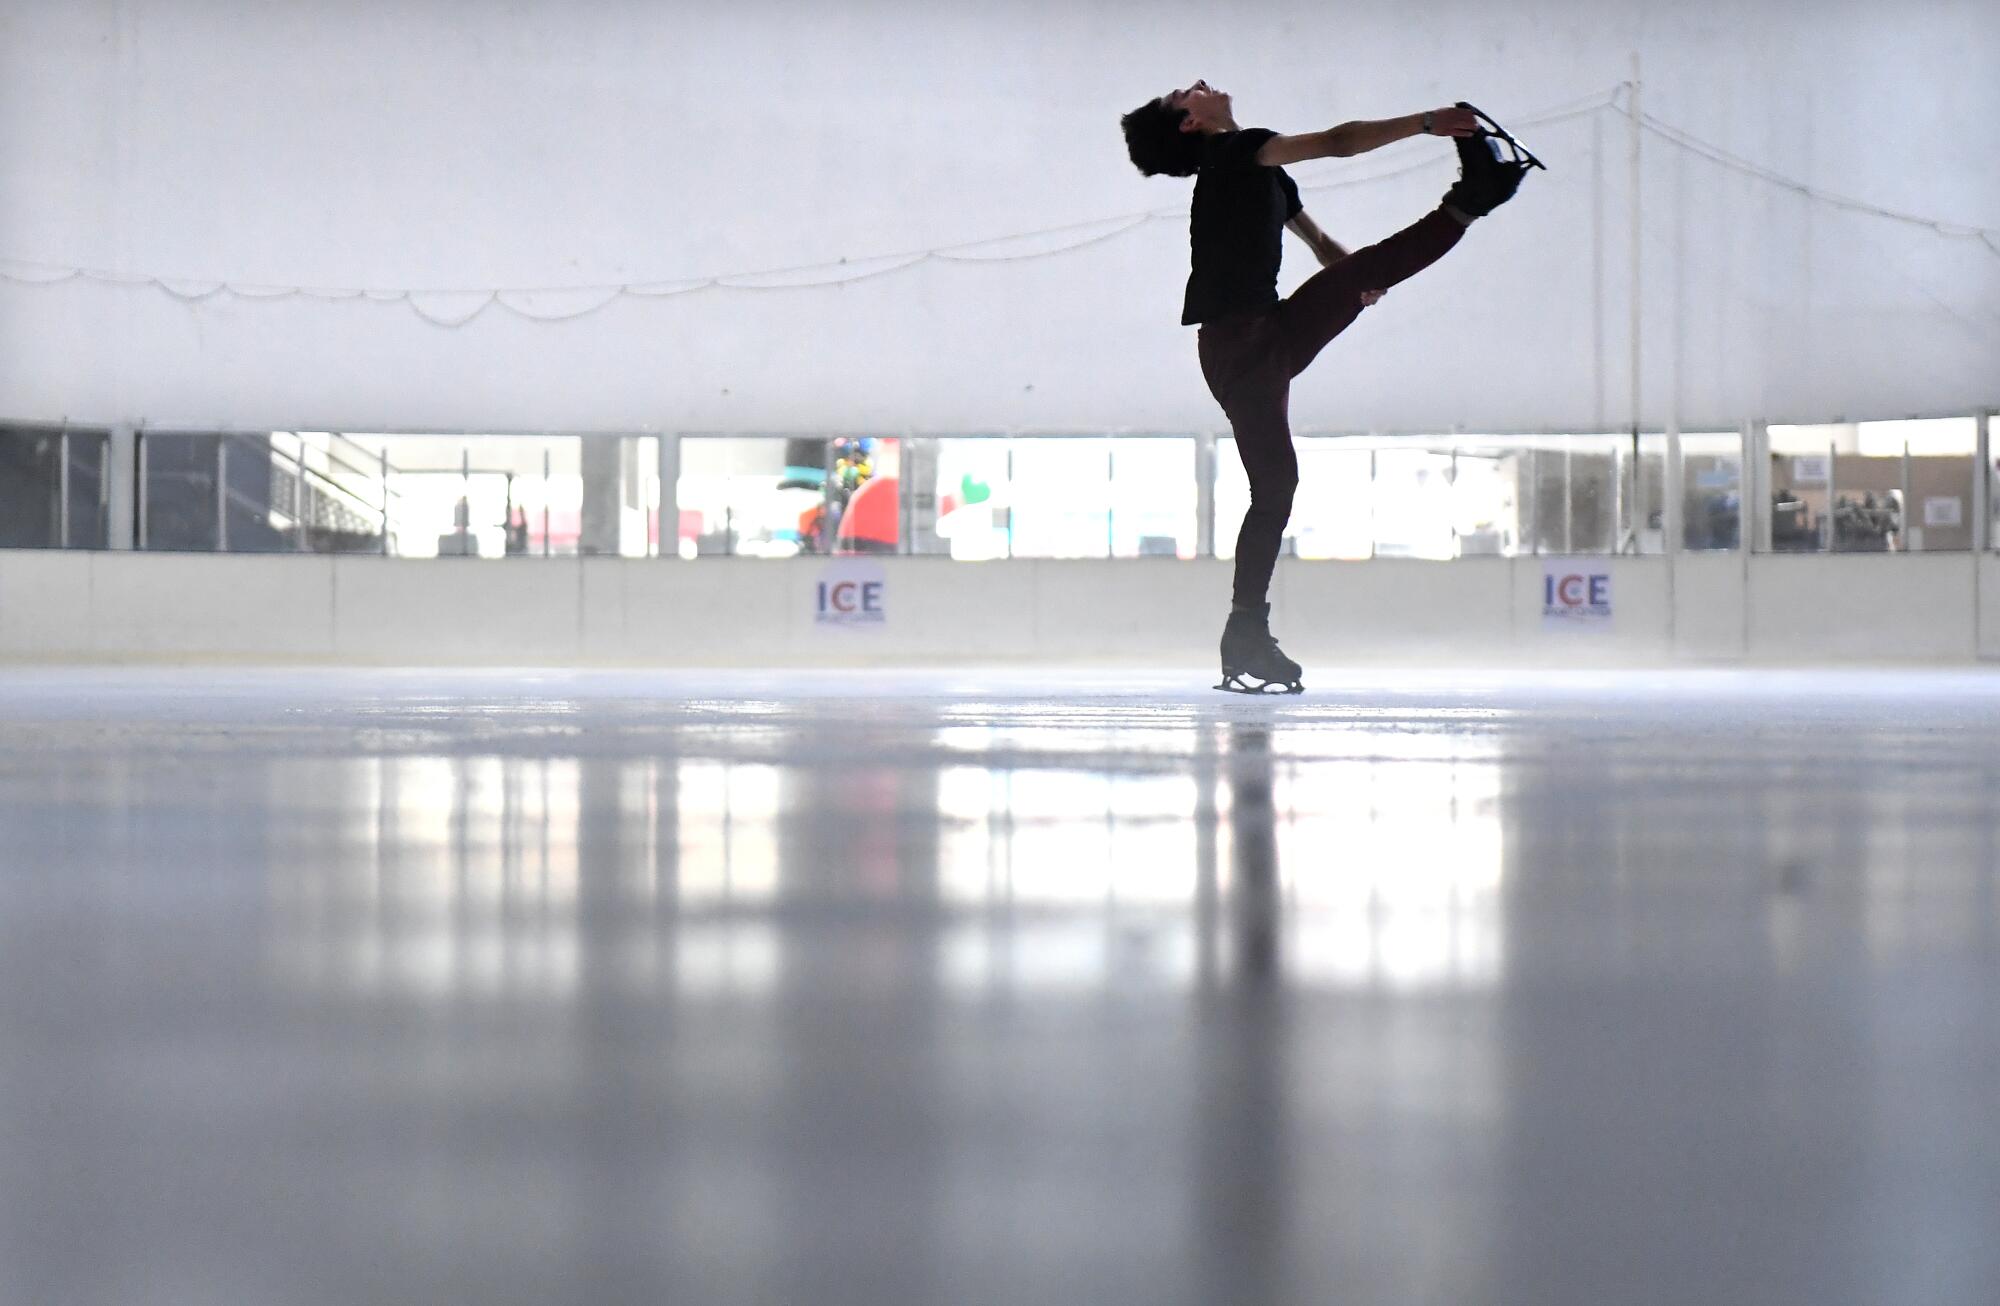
pixel 1701 609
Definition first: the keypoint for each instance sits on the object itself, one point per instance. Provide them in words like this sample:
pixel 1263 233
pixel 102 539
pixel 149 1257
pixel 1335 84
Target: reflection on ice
pixel 1203 989
pixel 1340 858
pixel 727 820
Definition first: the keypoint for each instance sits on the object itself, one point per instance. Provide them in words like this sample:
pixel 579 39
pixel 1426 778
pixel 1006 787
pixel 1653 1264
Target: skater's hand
pixel 1372 297
pixel 1453 122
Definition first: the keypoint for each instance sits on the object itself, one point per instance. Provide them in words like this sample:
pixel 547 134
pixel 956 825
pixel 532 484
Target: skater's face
pixel 1207 108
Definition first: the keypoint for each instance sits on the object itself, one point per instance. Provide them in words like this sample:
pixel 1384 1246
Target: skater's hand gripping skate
pixel 1372 297
pixel 1454 121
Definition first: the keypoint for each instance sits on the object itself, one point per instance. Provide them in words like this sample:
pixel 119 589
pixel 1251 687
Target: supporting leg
pixel 1264 440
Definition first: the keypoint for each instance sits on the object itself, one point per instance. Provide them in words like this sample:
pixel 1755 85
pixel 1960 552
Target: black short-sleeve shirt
pixel 1237 227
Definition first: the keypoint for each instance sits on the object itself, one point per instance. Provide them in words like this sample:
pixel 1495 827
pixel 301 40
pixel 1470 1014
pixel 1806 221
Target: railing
pixel 313 508
pixel 317 500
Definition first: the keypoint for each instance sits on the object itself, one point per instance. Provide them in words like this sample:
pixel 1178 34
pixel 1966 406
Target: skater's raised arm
pixel 1351 138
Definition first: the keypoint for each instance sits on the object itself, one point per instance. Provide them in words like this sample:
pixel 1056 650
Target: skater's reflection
pixel 1245 1205
pixel 1253 842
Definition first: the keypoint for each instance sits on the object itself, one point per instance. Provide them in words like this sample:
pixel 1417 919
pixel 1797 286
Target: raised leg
pixel 1325 305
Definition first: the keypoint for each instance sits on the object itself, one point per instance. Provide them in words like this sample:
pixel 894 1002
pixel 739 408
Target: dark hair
pixel 1154 139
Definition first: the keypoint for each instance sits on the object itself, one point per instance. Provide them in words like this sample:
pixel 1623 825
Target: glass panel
pixel 491 496
pixel 1711 490
pixel 864 489
pixel 1599 478
pixel 974 499
pixel 32 484
pixel 89 525
pixel 1414 503
pixel 1232 496
pixel 1992 474
pixel 780 496
pixel 1873 487
pixel 1642 490
pixel 1485 480
pixel 1907 486
pixel 1455 496
pixel 326 492
pixel 752 496
pixel 30 477
pixel 1802 465
pixel 182 470
pixel 1153 497
pixel 615 491
pixel 1332 510
pixel 1061 497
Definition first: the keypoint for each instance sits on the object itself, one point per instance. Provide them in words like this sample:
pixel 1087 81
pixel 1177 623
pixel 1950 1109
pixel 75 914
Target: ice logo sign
pixel 1575 594
pixel 851 594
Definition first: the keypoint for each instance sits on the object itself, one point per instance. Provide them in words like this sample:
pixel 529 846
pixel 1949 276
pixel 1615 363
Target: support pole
pixel 1637 280
pixel 1673 468
pixel 1532 457
pixel 1204 495
pixel 670 495
pixel 1569 496
pixel 121 504
pixel 1111 497
pixel 1756 516
pixel 1673 489
pixel 62 488
pixel 1374 519
pixel 222 494
pixel 299 495
pixel 1912 536
pixel 1673 495
pixel 1598 416
pixel 1982 482
pixel 1451 500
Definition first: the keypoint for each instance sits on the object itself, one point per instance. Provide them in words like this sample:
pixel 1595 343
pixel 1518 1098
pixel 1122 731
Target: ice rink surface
pixel 968 987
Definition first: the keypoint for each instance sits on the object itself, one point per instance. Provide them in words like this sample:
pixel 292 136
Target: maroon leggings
pixel 1249 360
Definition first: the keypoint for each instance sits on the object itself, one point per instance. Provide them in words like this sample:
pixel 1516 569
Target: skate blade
pixel 1234 683
pixel 1522 154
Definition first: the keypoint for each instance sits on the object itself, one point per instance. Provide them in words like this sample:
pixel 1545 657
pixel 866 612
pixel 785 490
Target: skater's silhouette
pixel 1251 342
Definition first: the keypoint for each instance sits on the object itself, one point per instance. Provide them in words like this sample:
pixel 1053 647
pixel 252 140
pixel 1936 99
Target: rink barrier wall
pixel 1701 608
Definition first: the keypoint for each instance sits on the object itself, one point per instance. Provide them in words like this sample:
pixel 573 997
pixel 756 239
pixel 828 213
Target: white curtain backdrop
pixel 608 214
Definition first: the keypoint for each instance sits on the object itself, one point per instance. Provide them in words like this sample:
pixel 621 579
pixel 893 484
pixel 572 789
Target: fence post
pixel 1982 482
pixel 222 494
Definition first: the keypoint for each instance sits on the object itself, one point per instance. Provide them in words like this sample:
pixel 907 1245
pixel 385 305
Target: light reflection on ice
pixel 1377 853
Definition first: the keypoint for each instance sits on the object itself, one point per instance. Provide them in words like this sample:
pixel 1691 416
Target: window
pixel 54 491
pixel 1711 491
pixel 1873 487
pixel 781 496
pixel 1460 496
pixel 1153 508
pixel 406 495
pixel 1060 497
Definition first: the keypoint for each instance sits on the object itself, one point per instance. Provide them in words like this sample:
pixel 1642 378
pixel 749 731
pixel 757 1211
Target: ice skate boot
pixel 1490 167
pixel 1250 654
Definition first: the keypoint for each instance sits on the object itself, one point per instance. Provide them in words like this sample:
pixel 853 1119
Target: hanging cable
pixel 454 307
pixel 1716 154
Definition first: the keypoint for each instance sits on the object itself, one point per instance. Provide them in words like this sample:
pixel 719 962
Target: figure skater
pixel 1252 343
